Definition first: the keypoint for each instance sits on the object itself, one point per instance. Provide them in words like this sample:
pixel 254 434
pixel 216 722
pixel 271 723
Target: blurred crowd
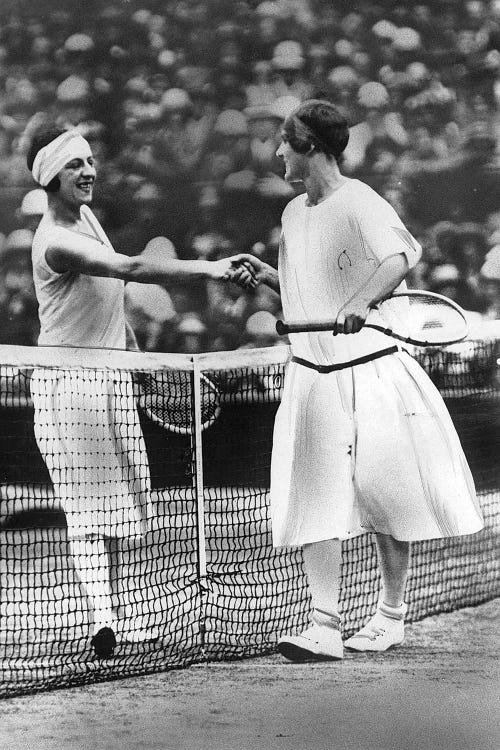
pixel 183 100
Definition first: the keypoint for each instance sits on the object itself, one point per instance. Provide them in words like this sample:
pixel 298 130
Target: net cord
pixel 65 357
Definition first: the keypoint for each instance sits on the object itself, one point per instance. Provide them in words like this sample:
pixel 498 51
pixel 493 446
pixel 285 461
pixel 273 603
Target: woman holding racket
pixel 100 474
pixel 362 439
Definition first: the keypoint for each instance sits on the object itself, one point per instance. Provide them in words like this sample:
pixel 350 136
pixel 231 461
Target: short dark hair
pixel 40 139
pixel 318 123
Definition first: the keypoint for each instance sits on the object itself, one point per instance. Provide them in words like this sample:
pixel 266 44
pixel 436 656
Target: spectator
pixel 420 83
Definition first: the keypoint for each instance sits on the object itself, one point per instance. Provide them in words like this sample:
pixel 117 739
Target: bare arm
pixel 263 272
pixel 86 256
pixel 381 283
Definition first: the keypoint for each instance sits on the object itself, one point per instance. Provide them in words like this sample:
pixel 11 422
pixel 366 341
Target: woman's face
pixel 77 180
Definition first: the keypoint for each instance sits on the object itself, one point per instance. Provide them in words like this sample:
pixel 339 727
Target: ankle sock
pixel 393 613
pixel 329 619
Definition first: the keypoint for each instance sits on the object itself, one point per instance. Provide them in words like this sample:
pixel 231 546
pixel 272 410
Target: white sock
pixel 393 613
pixel 322 564
pixel 325 618
pixel 91 561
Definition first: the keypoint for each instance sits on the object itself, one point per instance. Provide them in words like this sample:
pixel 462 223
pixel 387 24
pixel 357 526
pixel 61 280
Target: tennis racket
pixel 416 317
pixel 166 398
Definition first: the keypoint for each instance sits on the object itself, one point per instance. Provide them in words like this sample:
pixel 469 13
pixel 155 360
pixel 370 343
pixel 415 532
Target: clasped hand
pixel 242 269
pixel 351 317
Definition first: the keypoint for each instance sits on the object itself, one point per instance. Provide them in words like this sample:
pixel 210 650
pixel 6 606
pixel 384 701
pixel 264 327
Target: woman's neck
pixel 63 213
pixel 322 182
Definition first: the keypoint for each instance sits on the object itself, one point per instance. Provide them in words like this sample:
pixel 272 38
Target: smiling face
pixel 77 179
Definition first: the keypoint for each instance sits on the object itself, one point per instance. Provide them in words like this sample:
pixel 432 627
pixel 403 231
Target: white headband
pixel 51 158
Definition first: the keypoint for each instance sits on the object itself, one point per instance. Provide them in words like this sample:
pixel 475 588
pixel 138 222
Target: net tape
pixel 216 589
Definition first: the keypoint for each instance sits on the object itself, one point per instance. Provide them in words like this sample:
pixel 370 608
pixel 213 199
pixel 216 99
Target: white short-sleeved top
pixel 327 252
pixel 76 309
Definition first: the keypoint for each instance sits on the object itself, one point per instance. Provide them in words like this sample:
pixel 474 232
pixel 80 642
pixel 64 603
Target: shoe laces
pixel 374 631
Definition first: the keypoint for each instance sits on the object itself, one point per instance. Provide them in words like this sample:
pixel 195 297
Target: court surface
pixel 439 691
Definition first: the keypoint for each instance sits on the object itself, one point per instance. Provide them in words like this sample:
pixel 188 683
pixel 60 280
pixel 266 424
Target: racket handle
pixel 303 326
pixel 319 325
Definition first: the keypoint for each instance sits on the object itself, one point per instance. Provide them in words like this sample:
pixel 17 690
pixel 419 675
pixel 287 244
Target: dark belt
pixel 343 365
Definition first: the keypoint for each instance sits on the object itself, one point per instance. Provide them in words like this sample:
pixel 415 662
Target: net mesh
pixel 183 516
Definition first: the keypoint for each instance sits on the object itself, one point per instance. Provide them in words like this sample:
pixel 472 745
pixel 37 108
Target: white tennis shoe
pixel 385 630
pixel 322 641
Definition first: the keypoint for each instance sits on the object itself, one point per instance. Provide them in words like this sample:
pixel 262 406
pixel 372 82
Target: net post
pixel 199 491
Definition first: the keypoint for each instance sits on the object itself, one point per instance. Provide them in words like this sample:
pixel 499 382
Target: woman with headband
pixel 367 445
pixel 100 477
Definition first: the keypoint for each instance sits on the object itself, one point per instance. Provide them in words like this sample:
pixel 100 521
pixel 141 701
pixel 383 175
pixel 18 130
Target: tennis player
pixel 362 438
pixel 99 470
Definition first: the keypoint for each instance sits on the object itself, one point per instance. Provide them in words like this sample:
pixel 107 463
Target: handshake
pixel 244 269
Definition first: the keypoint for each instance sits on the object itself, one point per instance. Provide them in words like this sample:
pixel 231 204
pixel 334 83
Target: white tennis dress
pixel 369 447
pixel 86 423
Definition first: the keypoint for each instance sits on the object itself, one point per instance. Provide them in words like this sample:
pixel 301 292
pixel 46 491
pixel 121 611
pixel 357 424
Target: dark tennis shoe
pixel 104 643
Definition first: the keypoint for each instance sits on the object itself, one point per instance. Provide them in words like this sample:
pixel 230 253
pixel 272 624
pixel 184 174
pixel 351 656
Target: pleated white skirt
pixel 88 432
pixel 368 448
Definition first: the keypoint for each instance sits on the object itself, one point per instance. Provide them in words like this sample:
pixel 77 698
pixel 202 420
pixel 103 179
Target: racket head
pixel 414 316
pixel 421 318
pixel 166 398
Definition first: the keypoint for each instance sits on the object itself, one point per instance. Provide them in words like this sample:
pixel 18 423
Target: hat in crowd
pixel 91 129
pixel 261 324
pixel 191 323
pixel 373 95
pixel 491 266
pixel 243 180
pixel 73 89
pixel 262 111
pixel 175 99
pixel 343 76
pixel 444 230
pixel 344 49
pixel 142 16
pixel 79 43
pixel 269 9
pixel 159 248
pixel 18 239
pixel 136 85
pixel 318 52
pixel 193 78
pixel 288 55
pixel 24 91
pixel 34 203
pixel 209 197
pixel 283 106
pixel 147 192
pixel 262 66
pixel 406 39
pixel 167 58
pixel 418 71
pixel 151 299
pixel 384 29
pixel 447 273
pixel 470 231
pixel 231 122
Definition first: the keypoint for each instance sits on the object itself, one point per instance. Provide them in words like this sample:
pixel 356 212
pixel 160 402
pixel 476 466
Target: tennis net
pixel 181 489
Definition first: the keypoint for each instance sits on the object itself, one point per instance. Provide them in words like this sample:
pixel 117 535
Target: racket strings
pixel 424 317
pixel 167 399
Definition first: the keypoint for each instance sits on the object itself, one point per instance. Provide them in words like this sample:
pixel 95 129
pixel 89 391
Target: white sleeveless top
pixel 77 309
pixel 327 252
